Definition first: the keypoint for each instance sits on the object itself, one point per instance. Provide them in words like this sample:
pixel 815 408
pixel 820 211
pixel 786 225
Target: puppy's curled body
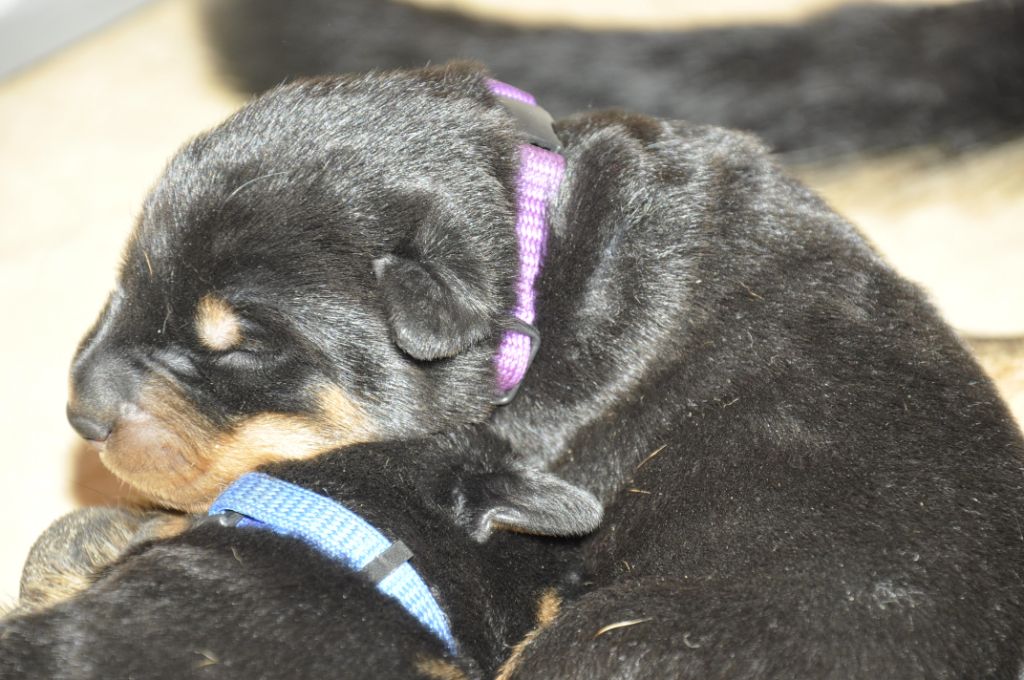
pixel 805 474
pixel 247 603
pixel 808 475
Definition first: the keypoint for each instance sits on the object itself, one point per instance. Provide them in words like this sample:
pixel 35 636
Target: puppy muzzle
pixel 101 387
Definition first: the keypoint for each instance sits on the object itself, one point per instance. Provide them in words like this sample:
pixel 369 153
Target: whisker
pixel 248 182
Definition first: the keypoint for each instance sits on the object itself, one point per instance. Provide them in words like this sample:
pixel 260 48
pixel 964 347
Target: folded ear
pixel 528 501
pixel 433 314
pixel 447 284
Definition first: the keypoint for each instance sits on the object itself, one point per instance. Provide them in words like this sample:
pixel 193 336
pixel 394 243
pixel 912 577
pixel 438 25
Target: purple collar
pixel 540 174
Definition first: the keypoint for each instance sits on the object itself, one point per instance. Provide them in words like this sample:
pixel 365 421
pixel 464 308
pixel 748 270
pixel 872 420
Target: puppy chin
pixel 155 460
pixel 166 449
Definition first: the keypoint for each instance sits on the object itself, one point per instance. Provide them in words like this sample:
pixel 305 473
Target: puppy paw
pixel 71 553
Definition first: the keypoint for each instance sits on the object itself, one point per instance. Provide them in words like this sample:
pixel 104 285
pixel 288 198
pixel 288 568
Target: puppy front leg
pixel 69 555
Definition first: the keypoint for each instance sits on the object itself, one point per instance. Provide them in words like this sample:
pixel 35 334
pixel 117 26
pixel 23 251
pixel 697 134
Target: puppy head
pixel 330 265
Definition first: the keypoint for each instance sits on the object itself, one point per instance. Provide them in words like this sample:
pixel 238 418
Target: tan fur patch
pixel 217 325
pixel 168 526
pixel 439 669
pixel 50 589
pixel 67 557
pixel 548 606
pixel 342 414
pixel 172 452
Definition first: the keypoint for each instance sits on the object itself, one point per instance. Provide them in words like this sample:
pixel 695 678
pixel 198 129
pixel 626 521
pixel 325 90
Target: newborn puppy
pixel 245 602
pixel 863 78
pixel 804 472
pixel 320 270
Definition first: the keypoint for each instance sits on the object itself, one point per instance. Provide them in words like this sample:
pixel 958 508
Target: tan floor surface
pixel 83 135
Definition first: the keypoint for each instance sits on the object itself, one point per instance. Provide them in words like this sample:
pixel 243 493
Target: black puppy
pixel 805 473
pixel 247 603
pixel 865 78
pixel 327 267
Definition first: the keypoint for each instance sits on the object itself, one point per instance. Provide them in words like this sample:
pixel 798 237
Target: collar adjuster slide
pixel 227 518
pixel 381 566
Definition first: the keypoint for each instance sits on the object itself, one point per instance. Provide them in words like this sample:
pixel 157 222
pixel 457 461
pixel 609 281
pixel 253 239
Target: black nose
pixel 89 427
pixel 104 380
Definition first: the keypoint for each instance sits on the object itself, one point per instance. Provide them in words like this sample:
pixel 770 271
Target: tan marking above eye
pixel 217 325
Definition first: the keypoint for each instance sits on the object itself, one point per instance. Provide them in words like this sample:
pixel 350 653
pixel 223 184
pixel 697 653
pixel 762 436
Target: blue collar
pixel 259 500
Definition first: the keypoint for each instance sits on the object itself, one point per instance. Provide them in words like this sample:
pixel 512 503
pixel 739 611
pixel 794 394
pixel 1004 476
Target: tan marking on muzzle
pixel 217 325
pixel 548 606
pixel 172 452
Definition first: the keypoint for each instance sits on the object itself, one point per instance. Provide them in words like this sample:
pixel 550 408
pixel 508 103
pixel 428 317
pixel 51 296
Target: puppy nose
pixel 89 426
pixel 104 384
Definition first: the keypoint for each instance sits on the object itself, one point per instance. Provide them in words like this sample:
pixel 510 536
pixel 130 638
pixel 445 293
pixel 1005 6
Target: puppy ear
pixel 528 501
pixel 432 316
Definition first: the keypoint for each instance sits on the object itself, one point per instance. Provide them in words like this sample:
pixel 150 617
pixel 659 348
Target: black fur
pixel 282 209
pixel 862 79
pixel 249 604
pixel 358 236
pixel 805 474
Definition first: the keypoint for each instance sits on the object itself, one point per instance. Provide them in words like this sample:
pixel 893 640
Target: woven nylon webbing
pixel 540 175
pixel 334 530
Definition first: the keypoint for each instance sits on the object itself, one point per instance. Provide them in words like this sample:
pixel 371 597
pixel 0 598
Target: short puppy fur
pixel 247 603
pixel 308 275
pixel 804 472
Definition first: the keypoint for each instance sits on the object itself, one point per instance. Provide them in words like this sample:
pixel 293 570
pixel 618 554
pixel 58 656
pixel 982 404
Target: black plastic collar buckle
pixel 382 566
pixel 535 122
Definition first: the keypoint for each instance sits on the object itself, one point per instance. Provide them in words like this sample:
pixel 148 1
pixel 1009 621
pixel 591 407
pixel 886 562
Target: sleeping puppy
pixel 320 270
pixel 244 602
pixel 177 605
pixel 804 472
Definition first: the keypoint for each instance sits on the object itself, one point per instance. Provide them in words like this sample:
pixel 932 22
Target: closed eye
pixel 233 336
pixel 242 359
pixel 173 362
